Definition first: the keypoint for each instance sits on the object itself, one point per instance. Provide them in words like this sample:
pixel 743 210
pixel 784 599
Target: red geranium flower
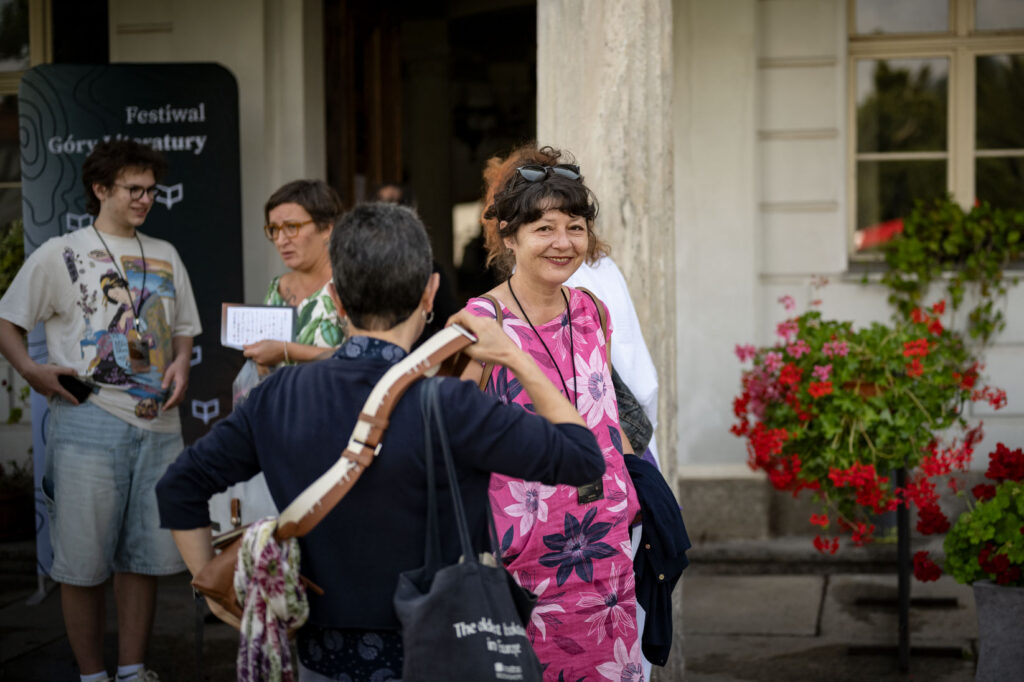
pixel 925 569
pixel 790 375
pixel 818 389
pixel 826 546
pixel 915 347
pixel 931 520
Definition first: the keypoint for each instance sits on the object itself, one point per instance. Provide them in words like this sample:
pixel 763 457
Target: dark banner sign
pixel 190 113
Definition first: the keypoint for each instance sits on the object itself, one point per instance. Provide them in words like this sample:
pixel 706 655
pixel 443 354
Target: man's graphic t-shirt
pixel 112 321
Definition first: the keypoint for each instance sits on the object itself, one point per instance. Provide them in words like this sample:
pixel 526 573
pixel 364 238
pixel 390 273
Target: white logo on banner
pixel 207 410
pixel 76 221
pixel 197 356
pixel 169 195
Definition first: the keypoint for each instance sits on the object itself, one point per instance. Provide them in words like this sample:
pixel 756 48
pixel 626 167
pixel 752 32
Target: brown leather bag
pixel 216 580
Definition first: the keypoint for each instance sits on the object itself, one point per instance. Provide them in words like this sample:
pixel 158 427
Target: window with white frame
pixel 936 92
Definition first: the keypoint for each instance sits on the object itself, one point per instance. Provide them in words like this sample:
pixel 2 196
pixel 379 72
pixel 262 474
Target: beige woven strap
pixel 489 367
pixel 602 315
pixel 313 504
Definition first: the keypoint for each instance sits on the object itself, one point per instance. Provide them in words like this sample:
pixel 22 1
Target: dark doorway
pixel 421 95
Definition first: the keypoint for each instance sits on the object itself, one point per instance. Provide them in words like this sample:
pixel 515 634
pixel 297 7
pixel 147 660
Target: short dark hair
pixel 318 198
pixel 381 262
pixel 109 159
pixel 509 198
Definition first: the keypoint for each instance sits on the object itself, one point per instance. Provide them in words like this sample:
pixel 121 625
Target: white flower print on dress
pixel 593 385
pixel 624 501
pixel 537 617
pixel 627 666
pixel 530 505
pixel 605 605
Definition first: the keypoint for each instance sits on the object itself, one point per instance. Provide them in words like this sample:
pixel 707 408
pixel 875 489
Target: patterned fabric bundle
pixel 275 604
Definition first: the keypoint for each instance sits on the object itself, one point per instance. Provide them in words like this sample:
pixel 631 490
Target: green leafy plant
pixel 12 252
pixel 16 477
pixel 971 248
pixel 832 409
pixel 987 540
pixel 17 409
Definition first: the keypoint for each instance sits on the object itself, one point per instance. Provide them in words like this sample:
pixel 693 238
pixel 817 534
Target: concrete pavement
pixel 745 624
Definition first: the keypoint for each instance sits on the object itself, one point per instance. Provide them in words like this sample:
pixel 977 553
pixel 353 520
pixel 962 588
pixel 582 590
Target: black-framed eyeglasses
pixel 538 173
pixel 289 227
pixel 136 191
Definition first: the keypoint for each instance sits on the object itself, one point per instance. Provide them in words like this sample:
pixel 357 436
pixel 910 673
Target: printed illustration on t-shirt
pixel 126 329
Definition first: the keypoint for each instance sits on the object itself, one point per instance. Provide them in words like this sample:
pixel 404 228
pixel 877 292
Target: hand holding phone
pixel 75 387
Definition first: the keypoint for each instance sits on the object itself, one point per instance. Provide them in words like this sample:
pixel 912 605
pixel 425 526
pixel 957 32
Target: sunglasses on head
pixel 538 173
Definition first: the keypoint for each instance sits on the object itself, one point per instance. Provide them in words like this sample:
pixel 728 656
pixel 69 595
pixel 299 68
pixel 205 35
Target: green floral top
pixel 318 323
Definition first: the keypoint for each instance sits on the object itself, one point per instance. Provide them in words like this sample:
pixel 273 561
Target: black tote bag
pixel 465 621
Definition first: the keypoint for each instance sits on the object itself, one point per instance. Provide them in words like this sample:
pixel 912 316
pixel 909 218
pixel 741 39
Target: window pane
pixel 905 16
pixel 999 15
pixel 1000 181
pixel 888 189
pixel 10 163
pixel 901 105
pixel 13 35
pixel 999 86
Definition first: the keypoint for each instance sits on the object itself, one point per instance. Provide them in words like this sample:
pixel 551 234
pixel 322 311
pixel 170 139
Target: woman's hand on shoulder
pixel 492 344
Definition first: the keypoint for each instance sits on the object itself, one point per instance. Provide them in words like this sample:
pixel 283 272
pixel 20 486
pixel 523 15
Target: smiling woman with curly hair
pixel 570 545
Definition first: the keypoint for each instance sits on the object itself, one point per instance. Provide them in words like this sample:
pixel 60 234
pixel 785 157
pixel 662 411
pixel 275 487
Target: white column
pixel 604 88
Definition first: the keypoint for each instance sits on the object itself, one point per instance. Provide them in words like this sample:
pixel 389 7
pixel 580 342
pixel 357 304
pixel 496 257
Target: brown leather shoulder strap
pixel 313 504
pixel 602 315
pixel 489 367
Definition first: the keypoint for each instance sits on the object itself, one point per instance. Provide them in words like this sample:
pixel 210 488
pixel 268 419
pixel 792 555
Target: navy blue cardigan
pixel 295 424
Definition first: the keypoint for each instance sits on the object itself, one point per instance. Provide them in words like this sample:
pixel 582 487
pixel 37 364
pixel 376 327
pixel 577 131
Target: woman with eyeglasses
pixel 569 545
pixel 300 216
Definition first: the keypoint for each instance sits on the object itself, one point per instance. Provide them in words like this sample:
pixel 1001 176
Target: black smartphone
pixel 75 387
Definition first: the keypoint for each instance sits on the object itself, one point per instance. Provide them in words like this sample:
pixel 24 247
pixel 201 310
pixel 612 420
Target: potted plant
pixel 834 410
pixel 17 504
pixel 985 549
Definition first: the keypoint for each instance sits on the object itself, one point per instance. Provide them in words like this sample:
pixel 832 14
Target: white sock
pixel 94 677
pixel 128 672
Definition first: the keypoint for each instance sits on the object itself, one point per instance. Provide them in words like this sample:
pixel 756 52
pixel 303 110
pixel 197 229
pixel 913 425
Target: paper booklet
pixel 244 324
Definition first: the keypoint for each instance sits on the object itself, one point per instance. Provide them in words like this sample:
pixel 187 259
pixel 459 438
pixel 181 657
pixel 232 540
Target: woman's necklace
pixel 572 346
pixel 588 492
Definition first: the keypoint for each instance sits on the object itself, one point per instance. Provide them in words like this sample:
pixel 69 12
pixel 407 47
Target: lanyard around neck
pixel 572 346
pixel 123 275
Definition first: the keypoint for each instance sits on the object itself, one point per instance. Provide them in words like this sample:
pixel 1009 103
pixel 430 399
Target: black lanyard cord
pixel 572 345
pixel 124 278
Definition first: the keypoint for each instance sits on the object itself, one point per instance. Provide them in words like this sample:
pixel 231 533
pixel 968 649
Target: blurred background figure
pixel 300 217
pixel 445 303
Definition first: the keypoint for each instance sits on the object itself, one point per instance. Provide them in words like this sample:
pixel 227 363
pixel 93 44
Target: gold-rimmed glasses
pixel 289 227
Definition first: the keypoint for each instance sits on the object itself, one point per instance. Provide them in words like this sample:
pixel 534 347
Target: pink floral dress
pixel 577 558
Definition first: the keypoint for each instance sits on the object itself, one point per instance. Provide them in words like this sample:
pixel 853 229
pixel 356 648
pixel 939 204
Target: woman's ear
pixel 337 301
pixel 433 283
pixel 509 240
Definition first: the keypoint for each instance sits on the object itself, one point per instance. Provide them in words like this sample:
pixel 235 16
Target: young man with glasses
pixel 119 316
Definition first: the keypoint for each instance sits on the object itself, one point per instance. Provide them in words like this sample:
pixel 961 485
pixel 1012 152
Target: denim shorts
pixel 100 480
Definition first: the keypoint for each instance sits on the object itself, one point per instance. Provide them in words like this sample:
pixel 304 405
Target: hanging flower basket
pixel 831 409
